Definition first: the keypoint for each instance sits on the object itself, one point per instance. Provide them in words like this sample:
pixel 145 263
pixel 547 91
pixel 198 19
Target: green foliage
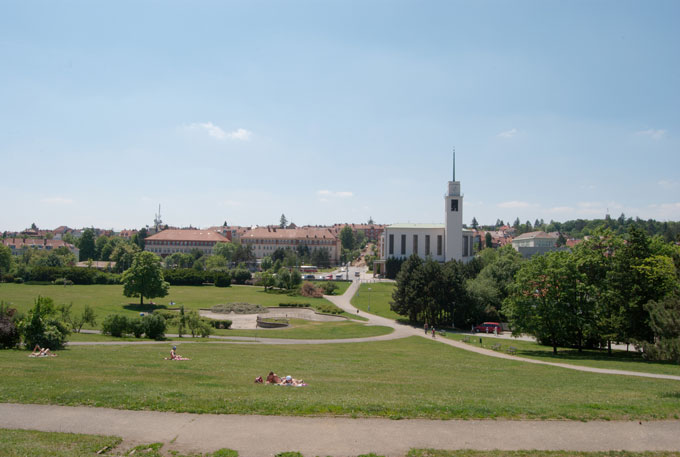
pixel 123 254
pixel 9 333
pixel 241 275
pixel 347 237
pixel 86 245
pixel 154 326
pixel 238 308
pixel 145 278
pixel 266 263
pixel 180 260
pixel 198 326
pixel 329 288
pixel 42 326
pixel 289 454
pixel 295 305
pixel 222 279
pixel 392 267
pixel 187 277
pixel 5 259
pixel 115 325
pixel 329 309
pixel 665 323
pixel 77 275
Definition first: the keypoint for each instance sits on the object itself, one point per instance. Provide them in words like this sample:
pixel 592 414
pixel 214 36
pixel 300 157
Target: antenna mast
pixel 454 163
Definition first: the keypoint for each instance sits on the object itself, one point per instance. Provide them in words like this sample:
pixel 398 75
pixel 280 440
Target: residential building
pixel 171 241
pixel 532 243
pixel 17 245
pixel 265 240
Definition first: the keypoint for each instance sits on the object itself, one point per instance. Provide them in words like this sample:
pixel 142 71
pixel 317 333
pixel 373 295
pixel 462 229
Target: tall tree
pixel 145 277
pixel 283 221
pixel 86 245
pixel 347 237
pixel 475 224
pixel 488 240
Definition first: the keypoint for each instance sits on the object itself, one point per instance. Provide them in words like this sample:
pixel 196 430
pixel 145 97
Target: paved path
pixel 259 436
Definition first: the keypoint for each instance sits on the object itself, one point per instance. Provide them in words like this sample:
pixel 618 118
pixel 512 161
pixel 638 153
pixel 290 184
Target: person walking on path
pixel 433 332
pixel 425 328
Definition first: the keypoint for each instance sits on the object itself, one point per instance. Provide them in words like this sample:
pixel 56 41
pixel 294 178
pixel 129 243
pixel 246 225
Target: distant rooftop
pixel 416 226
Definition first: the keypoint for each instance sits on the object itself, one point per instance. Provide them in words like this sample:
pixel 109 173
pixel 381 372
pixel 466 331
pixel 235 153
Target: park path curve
pixel 259 436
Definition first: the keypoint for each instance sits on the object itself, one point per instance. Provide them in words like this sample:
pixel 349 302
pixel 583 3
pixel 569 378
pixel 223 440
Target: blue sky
pixel 336 111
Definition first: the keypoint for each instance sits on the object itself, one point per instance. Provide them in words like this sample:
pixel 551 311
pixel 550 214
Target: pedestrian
pixel 433 332
pixel 426 328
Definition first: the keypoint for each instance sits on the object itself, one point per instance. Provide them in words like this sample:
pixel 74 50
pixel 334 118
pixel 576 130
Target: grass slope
pixel 619 360
pixel 379 297
pixel 413 377
pixel 29 443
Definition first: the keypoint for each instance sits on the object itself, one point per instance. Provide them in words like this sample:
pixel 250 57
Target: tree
pixel 225 250
pixel 86 245
pixel 266 263
pixel 43 327
pixel 9 333
pixel 283 221
pixel 665 323
pixel 123 255
pixel 475 224
pixel 347 238
pixel 516 223
pixel 145 278
pixel 5 259
pixel 140 237
pixel 550 300
pixel 488 240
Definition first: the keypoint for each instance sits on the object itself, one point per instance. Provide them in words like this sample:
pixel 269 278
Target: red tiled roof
pixel 19 243
pixel 298 233
pixel 188 235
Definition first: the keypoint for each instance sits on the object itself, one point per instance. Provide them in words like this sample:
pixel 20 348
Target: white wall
pixel 408 248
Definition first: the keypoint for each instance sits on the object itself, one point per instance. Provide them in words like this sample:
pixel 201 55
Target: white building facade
pixel 441 242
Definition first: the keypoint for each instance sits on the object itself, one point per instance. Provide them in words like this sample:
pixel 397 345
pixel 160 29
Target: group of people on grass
pixel 273 378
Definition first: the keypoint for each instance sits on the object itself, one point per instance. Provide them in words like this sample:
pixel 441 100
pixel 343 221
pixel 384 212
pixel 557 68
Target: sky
pixel 336 111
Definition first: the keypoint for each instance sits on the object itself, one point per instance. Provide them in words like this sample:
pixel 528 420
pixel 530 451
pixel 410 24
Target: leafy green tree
pixel 86 245
pixel 347 237
pixel 123 255
pixel 9 332
pixel 42 326
pixel 243 254
pixel 144 278
pixel 665 323
pixel 197 326
pixel 266 263
pixel 5 259
pixel 225 250
pixel 550 300
pixel 488 240
pixel 407 299
pixel 215 263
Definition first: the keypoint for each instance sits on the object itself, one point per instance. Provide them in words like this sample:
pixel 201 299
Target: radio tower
pixel 157 220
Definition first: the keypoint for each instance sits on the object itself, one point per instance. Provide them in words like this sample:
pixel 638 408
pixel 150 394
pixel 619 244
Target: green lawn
pixel 109 299
pixel 29 443
pixel 412 377
pixel 619 360
pixel 379 297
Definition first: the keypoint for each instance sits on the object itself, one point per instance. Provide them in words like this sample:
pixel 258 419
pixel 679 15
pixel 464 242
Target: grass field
pixel 109 299
pixel 379 297
pixel 413 377
pixel 619 360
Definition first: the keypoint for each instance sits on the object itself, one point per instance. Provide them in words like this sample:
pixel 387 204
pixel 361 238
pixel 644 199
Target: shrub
pixel 185 277
pixel 154 326
pixel 115 325
pixel 9 333
pixel 170 317
pixel 329 288
pixel 241 275
pixel 18 280
pixel 295 305
pixel 329 309
pixel 220 324
pixel 136 327
pixel 310 290
pixel 43 327
pixel 222 279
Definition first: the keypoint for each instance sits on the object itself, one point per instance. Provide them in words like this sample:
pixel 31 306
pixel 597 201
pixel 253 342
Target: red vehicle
pixel 488 327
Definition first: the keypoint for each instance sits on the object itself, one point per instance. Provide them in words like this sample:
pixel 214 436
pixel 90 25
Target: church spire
pixel 454 163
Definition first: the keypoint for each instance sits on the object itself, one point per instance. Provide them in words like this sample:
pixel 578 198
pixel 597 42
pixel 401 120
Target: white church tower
pixel 453 229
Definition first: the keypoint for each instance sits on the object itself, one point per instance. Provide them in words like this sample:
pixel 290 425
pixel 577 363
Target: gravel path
pixel 259 436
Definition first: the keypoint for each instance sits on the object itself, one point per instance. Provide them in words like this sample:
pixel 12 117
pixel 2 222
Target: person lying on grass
pixel 272 378
pixel 44 352
pixel 175 356
pixel 289 381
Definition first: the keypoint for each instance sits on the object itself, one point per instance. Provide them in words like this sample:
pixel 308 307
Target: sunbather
pixel 272 378
pixel 175 356
pixel 290 381
pixel 41 352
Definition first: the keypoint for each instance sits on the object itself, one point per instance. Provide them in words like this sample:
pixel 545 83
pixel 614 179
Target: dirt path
pixel 259 436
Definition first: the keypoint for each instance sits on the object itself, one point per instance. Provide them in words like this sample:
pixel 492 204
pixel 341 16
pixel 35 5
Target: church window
pixel 391 244
pixel 427 245
pixel 439 245
pixel 465 246
pixel 403 245
pixel 454 205
pixel 415 244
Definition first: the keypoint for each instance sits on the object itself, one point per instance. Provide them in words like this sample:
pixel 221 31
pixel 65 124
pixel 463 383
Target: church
pixel 441 242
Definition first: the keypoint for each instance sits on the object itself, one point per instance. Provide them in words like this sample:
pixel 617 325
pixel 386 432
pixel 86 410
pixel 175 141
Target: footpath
pixel 260 436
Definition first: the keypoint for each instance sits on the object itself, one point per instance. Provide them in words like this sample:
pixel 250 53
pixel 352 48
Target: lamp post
pixel 369 299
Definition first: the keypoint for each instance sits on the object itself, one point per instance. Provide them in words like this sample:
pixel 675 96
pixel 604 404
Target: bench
pixel 511 350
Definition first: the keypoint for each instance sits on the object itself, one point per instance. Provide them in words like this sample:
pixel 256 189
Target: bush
pixel 115 325
pixel 136 326
pixel 222 279
pixel 220 324
pixel 310 290
pixel 295 305
pixel 9 333
pixel 241 275
pixel 185 277
pixel 329 309
pixel 329 288
pixel 43 327
pixel 19 280
pixel 154 326
pixel 170 317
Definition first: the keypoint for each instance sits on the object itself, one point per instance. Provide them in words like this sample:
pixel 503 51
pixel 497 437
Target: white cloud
pixel 57 201
pixel 217 132
pixel 509 133
pixel 654 134
pixel 668 184
pixel 328 193
pixel 514 204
